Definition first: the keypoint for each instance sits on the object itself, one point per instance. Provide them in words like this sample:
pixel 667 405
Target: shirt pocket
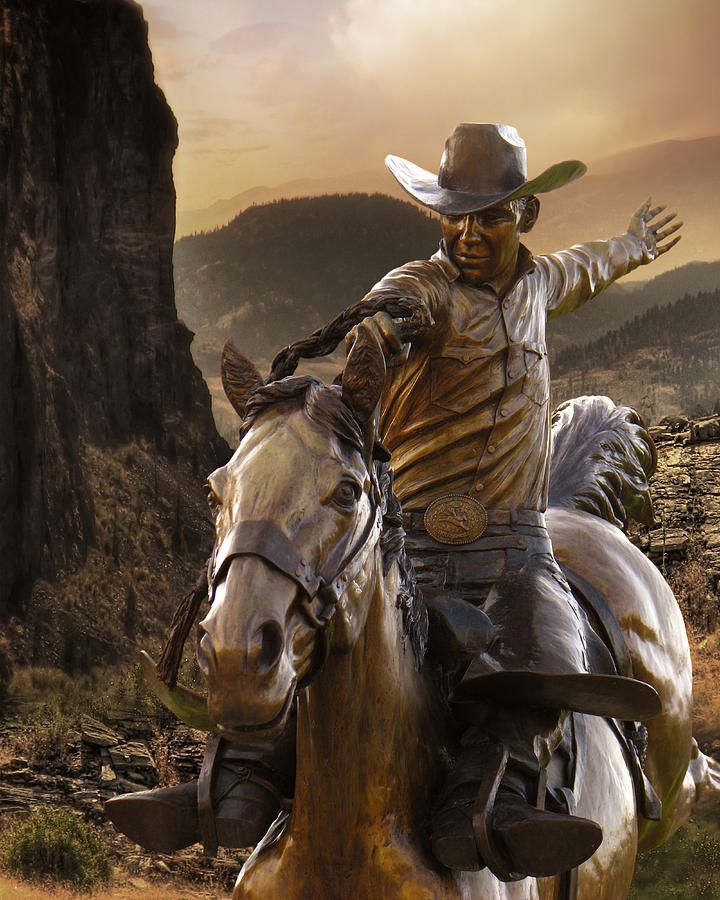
pixel 536 383
pixel 454 380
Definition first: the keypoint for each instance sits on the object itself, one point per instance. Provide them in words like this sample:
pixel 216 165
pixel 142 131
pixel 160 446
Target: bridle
pixel 319 590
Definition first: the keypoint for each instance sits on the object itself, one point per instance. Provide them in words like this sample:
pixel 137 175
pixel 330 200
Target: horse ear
pixel 364 376
pixel 239 377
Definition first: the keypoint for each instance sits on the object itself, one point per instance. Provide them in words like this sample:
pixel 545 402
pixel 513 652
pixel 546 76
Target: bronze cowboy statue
pixel 465 417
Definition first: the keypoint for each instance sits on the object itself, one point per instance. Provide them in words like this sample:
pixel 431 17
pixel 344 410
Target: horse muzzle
pixel 247 648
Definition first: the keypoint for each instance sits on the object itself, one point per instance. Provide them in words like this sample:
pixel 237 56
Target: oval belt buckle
pixel 455 519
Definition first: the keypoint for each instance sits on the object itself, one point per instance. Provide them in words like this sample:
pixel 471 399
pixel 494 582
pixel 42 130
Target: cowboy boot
pixel 240 791
pixel 492 810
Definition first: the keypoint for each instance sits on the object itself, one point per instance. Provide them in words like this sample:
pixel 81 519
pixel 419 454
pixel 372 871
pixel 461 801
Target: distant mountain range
pixel 192 221
pixel 683 174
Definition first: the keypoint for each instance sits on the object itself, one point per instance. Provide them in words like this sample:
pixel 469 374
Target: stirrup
pixel 219 779
pixel 583 835
pixel 206 815
pixel 495 763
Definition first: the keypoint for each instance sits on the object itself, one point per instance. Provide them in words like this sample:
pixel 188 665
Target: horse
pixel 312 603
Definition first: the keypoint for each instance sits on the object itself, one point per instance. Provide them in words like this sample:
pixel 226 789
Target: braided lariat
pixel 323 341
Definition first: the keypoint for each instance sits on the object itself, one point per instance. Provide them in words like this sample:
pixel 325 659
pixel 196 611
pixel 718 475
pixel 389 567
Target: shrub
pixel 691 585
pixel 44 744
pixel 56 844
pixel 6 672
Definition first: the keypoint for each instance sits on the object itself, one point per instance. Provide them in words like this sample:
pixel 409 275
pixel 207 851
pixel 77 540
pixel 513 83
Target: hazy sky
pixel 266 91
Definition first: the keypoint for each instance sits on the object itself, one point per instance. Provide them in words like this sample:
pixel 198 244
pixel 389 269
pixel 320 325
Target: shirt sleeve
pixel 421 280
pixel 574 276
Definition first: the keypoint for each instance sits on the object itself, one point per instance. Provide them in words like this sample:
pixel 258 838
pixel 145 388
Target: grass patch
pixel 49 695
pixel 705 650
pixel 56 845
pixel 686 867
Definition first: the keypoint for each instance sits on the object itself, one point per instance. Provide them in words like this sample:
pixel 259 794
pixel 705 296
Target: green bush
pixel 55 844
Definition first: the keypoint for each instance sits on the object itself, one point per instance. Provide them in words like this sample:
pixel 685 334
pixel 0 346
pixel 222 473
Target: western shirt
pixel 469 412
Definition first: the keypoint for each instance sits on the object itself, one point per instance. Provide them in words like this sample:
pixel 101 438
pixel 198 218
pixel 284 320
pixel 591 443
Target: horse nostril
pixel 207 659
pixel 271 645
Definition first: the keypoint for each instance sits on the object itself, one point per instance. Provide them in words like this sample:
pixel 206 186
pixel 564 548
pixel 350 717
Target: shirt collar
pixel 525 265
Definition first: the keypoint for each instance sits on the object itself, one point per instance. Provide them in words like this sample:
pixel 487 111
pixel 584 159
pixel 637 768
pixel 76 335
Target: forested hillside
pixel 664 361
pixel 623 301
pixel 278 271
pixel 680 325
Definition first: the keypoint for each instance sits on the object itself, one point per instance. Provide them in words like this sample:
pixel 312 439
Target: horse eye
pixel 214 502
pixel 346 494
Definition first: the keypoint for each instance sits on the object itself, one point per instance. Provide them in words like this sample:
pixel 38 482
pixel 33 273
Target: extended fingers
pixel 663 221
pixel 666 247
pixel 661 235
pixel 651 213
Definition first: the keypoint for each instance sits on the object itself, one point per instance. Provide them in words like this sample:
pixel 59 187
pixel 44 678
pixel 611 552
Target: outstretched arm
pixel 574 276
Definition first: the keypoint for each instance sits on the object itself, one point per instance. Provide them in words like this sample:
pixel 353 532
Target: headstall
pixel 321 589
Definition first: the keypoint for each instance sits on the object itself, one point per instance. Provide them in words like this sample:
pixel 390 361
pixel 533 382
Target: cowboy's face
pixel 484 245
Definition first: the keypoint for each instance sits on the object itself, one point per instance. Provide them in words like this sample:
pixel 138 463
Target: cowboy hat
pixel 481 165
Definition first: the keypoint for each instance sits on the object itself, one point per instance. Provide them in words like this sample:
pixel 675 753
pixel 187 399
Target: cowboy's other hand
pixel 653 235
pixel 383 329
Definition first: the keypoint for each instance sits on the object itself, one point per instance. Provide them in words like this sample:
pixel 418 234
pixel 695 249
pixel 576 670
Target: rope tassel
pixel 182 621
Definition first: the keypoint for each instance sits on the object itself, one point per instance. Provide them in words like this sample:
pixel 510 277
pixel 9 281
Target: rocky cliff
pixel 685 540
pixel 91 351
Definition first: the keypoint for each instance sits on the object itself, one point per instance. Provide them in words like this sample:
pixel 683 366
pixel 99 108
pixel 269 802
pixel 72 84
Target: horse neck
pixel 369 731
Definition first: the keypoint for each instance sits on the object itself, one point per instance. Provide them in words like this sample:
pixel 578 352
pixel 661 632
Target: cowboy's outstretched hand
pixel 654 235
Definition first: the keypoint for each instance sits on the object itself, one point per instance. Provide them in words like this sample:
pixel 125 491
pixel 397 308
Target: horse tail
pixel 704 771
pixel 602 458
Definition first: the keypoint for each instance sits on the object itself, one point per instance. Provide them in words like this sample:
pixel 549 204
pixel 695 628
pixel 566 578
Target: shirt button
pixel 479 486
pixel 491 448
pixel 503 412
pixel 511 373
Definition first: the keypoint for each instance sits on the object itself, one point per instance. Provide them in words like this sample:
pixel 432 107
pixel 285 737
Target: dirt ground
pixel 125 887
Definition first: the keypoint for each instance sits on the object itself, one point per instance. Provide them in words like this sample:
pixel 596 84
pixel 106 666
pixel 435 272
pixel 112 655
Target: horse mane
pixel 324 405
pixel 602 458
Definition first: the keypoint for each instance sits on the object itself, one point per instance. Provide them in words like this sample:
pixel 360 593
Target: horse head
pixel 298 516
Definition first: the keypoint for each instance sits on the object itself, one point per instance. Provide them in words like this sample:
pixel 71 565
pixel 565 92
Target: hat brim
pixel 423 186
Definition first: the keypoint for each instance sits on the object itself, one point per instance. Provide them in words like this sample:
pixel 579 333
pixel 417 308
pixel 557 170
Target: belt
pixel 414 519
